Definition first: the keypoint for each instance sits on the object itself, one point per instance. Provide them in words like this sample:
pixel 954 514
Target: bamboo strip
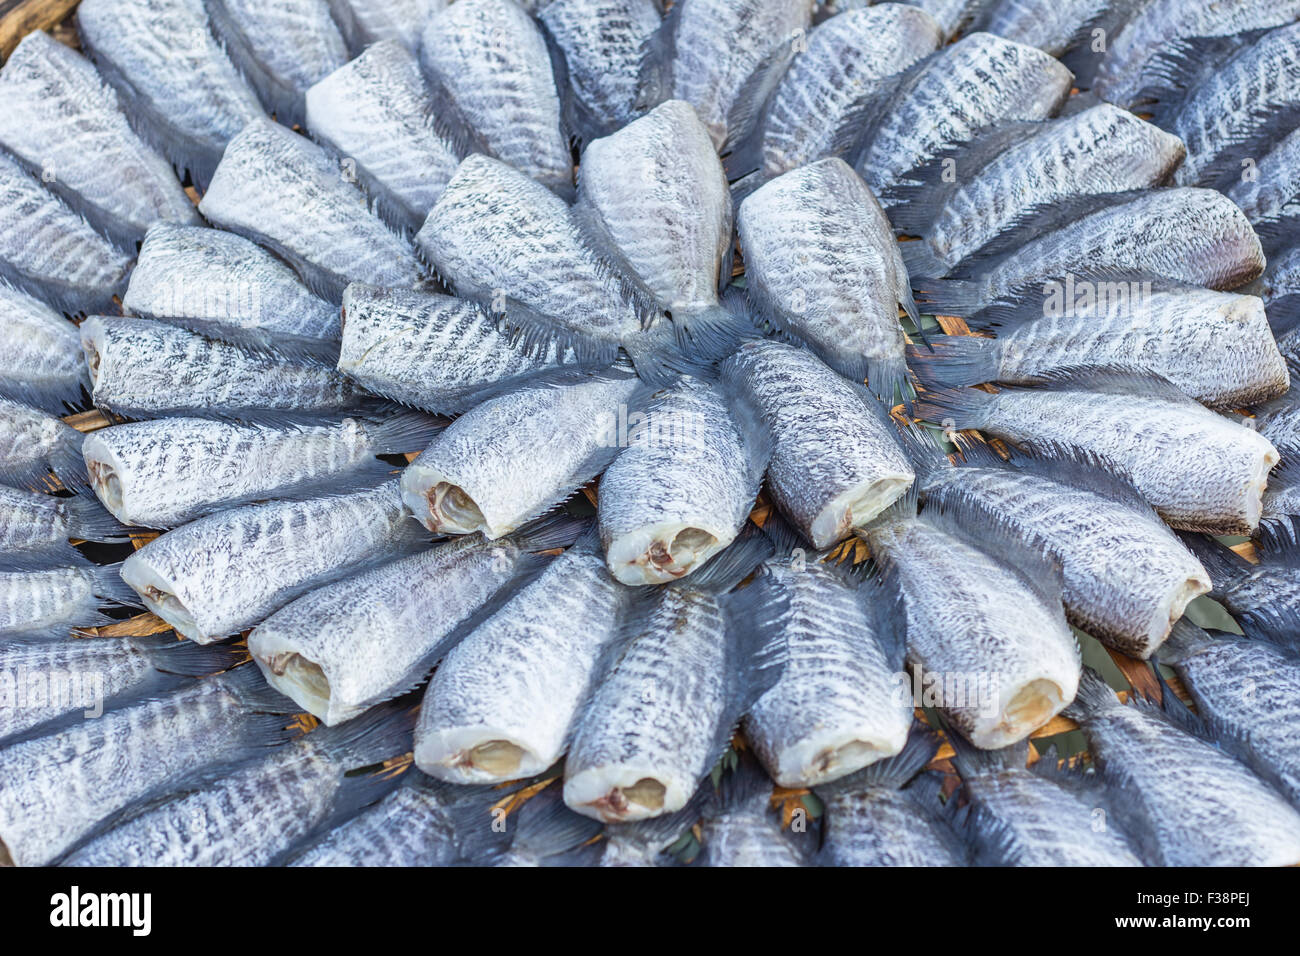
pixel 21 17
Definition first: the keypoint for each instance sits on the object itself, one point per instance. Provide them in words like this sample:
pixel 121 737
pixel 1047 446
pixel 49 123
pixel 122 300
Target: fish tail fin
pixel 111 588
pixel 557 529
pixel 712 333
pixel 250 688
pixel 655 71
pixel 1093 697
pixel 66 461
pixel 406 431
pixel 924 453
pixel 1224 566
pixel 382 732
pixel 954 361
pixel 954 408
pixel 89 521
pixel 547 828
pixel 888 381
pixel 959 297
pixel 1184 639
pixel 730 566
pixel 972 761
pixel 172 654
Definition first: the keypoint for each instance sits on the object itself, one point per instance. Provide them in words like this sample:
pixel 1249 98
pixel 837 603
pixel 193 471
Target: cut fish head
pixel 660 554
pixel 622 794
pixel 105 470
pixel 160 596
pixel 856 507
pixel 477 754
pixel 440 504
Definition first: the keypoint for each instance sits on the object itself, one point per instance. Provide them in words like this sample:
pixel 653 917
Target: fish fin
pixel 712 333
pixel 894 772
pixel 1184 640
pixel 785 539
pixel 250 688
pixel 1279 543
pixel 658 356
pixel 745 186
pixel 384 731
pixel 556 529
pixel 536 334
pixel 954 361
pixel 111 588
pixel 923 192
pixel 1179 66
pixel 921 261
pixel 172 655
pixel 89 521
pixel 67 463
pixel 658 54
pixel 299 349
pixel 406 431
pixel 55 399
pixel 887 378
pixel 737 786
pixel 971 761
pixel 730 566
pixel 950 296
pixel 750 107
pixel 1080 468
pixel 954 408
pixel 1114 380
pixel 547 828
pixel 1093 697
pixel 611 261
pixel 1224 566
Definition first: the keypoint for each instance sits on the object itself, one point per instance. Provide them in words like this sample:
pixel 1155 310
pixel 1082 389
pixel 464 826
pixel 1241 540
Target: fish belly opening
pixel 299 678
pixel 452 511
pixel 855 508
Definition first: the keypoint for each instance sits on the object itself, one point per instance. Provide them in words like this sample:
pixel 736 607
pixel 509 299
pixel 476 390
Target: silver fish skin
pixel 34 526
pixel 969 613
pixel 501 705
pixel 1021 817
pixel 1017 170
pixel 647 735
pixel 746 832
pixel 1217 347
pixel 434 352
pixel 221 283
pixel 301 786
pixel 836 463
pixel 33 444
pixel 62 120
pixel 50 601
pixel 165 472
pixel 709 53
pixel 40 354
pixel 850 60
pixel 978 82
pixel 376 112
pixel 409 827
pixel 1184 234
pixel 1248 689
pixel 1278 420
pixel 838 705
pixel 1200 470
pixel 49 251
pixel 228 571
pixel 1282 497
pixel 1261 597
pixel 1226 112
pixel 281 48
pixel 342 648
pixel 873 818
pixel 175 81
pixel 681 487
pixel 1050 25
pixel 515 456
pixel 55 789
pixel 601 41
pixel 285 193
pixel 1184 801
pixel 144 367
pixel 1269 199
pixel 1126 69
pixel 499 238
pixel 662 196
pixel 1127 576
pixel 491 58
pixel 366 22
pixel 821 263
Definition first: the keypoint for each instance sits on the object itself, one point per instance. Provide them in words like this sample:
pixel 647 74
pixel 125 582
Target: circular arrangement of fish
pixel 503 432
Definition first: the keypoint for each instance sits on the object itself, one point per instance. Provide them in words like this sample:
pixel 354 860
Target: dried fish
pixel 40 354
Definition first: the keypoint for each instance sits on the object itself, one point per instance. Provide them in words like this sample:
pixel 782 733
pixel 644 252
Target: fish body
pixel 984 624
pixel 979 81
pixel 346 646
pixel 1020 817
pixel 62 120
pixel 838 705
pixel 1184 801
pixel 711 53
pixel 501 705
pixel 1217 347
pixel 740 829
pixel 285 193
pixel 1248 689
pixel 40 353
pixel 849 65
pixel 835 463
pixel 1261 597
pixel 165 472
pixel 50 601
pixel 1050 25
pixel 223 573
pixel 49 251
pixel 300 785
pixel 1184 234
pixel 144 367
pixel 821 264
pixel 517 455
pixel 281 48
pixel 175 81
pixel 433 351
pixel 366 22
pixel 1200 470
pixel 34 526
pixel 681 488
pixel 601 41
pixel 1222 119
pixel 375 111
pixel 56 789
pixel 1133 58
pixel 501 239
pixel 33 444
pixel 662 197
pixel 491 59
pixel 1127 577
pixel 1269 197
pixel 1007 176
